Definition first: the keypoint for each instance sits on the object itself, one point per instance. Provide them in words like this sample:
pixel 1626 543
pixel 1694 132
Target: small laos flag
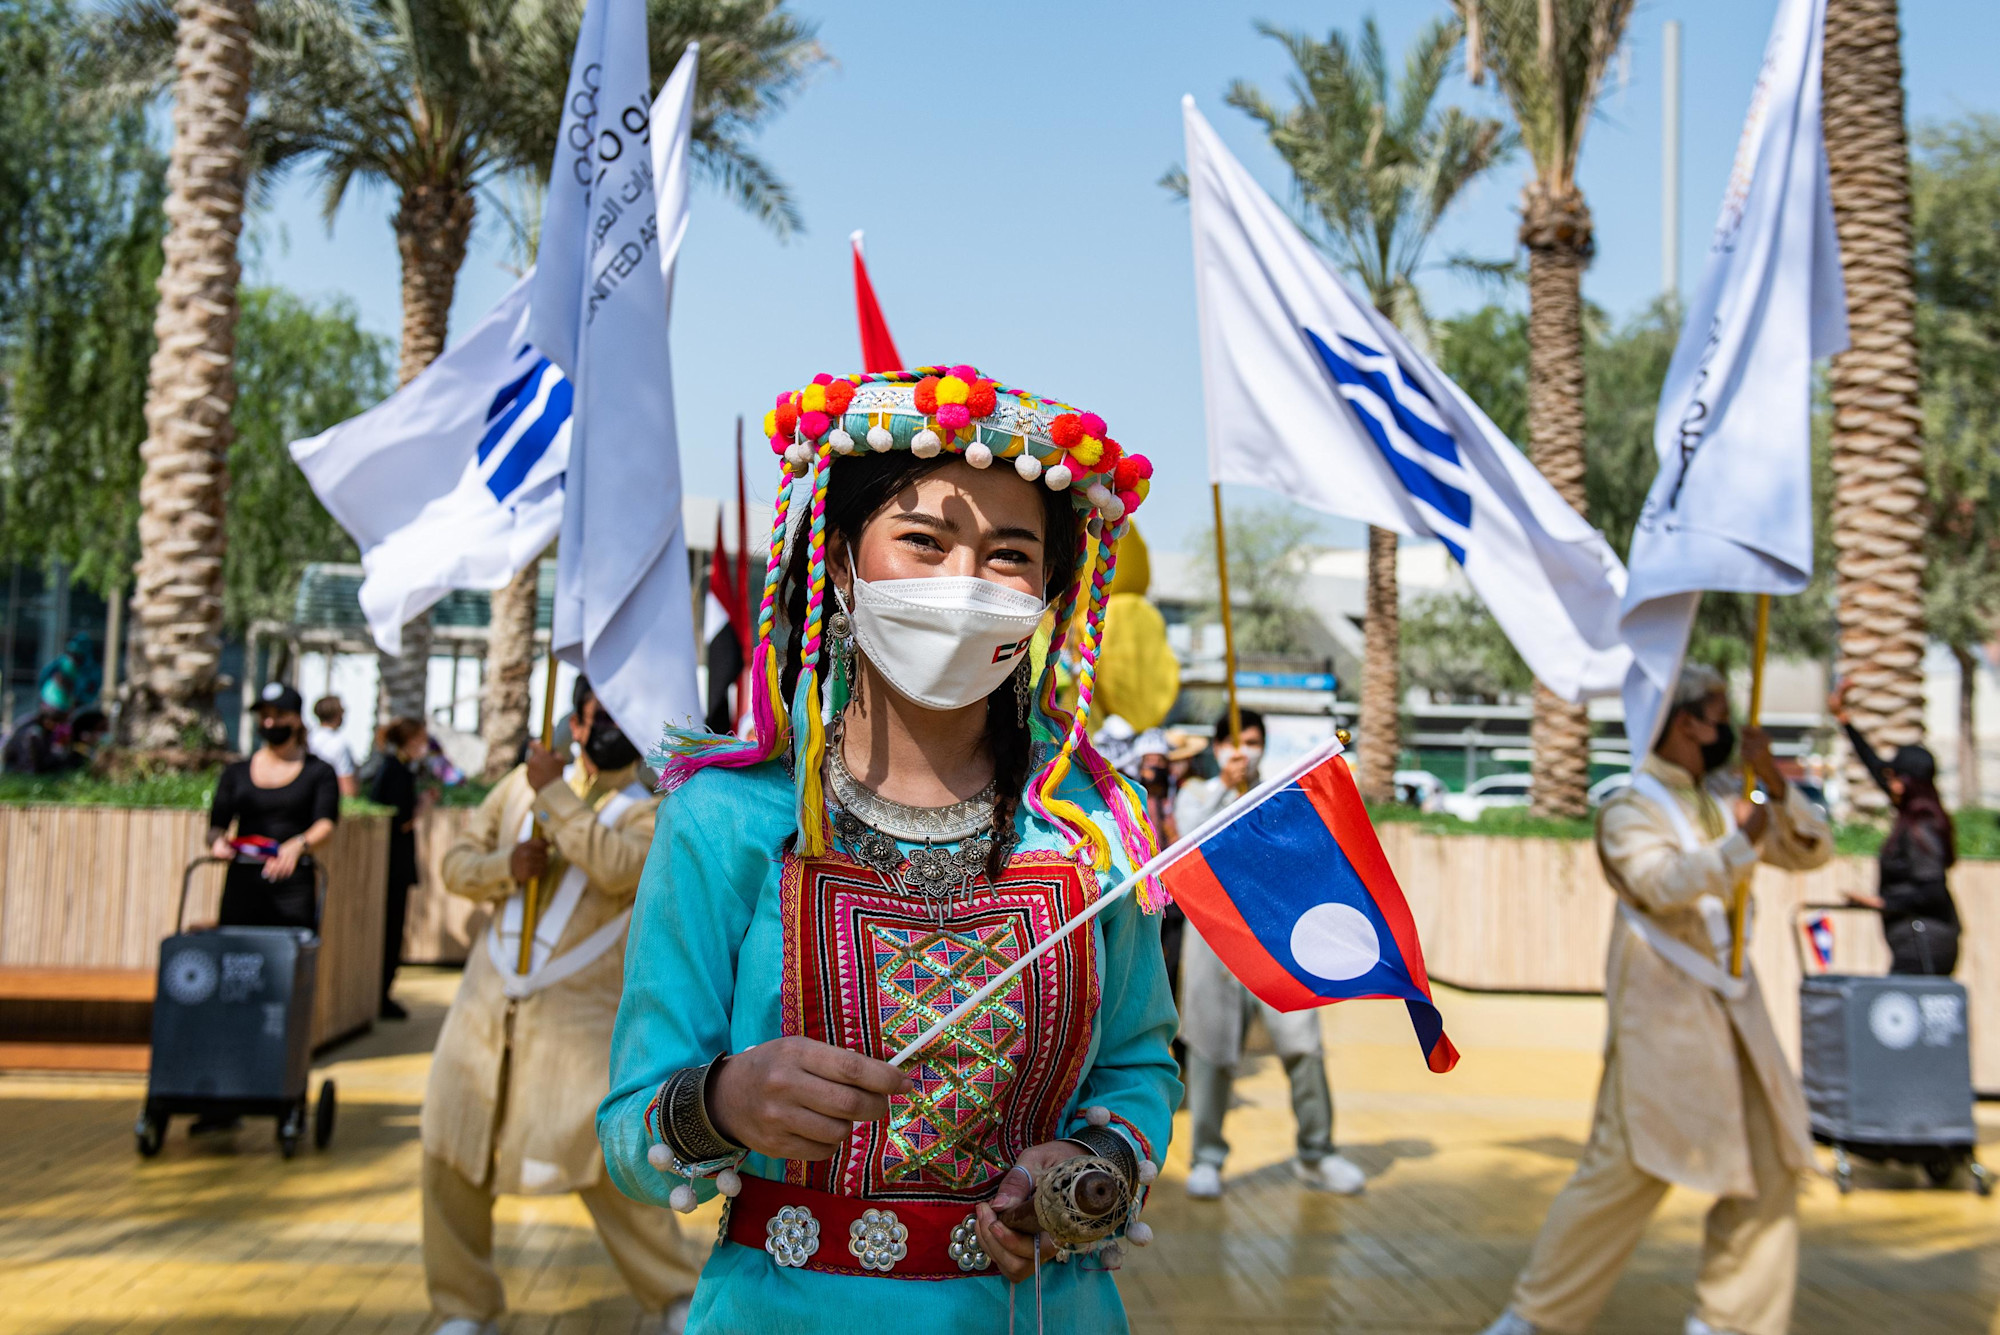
pixel 1293 893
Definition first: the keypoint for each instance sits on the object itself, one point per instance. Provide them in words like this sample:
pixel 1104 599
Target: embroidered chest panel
pixel 869 968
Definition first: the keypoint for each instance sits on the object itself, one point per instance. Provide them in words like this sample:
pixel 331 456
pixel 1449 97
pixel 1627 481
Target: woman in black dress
pixel 406 743
pixel 284 802
pixel 1918 915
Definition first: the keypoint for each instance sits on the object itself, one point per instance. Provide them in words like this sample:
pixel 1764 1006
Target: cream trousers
pixel 1750 1247
pixel 644 1242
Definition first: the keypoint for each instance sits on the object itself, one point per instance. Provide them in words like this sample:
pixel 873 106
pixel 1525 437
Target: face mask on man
pixel 1715 754
pixel 608 747
pixel 944 641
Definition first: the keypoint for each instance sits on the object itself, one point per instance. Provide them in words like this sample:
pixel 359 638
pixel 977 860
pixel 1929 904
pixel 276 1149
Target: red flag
pixel 878 350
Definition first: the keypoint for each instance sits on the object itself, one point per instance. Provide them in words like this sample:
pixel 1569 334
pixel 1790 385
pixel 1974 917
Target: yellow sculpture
pixel 1137 676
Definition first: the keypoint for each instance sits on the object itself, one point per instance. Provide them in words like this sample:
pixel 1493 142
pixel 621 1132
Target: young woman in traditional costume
pixel 920 816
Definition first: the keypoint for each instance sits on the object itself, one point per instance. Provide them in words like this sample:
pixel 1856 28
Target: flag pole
pixel 531 898
pixel 742 608
pixel 1228 626
pixel 1739 908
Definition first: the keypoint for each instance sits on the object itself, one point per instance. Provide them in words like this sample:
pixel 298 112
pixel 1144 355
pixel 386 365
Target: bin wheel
pixel 1843 1170
pixel 323 1112
pixel 150 1131
pixel 1982 1178
pixel 1940 1171
pixel 291 1129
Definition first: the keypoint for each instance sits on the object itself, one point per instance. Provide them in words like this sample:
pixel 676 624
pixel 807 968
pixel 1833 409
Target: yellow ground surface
pixel 229 1238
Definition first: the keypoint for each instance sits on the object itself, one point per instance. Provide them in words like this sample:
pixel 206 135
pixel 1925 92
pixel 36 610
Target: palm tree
pixel 1548 57
pixel 441 99
pixel 1878 452
pixel 191 389
pixel 1376 166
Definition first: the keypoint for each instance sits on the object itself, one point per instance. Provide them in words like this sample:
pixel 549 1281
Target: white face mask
pixel 945 641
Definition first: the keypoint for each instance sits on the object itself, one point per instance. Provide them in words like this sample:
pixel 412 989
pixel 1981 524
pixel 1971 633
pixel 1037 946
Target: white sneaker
pixel 1696 1326
pixel 465 1325
pixel 1334 1173
pixel 673 1321
pixel 1205 1182
pixel 1509 1324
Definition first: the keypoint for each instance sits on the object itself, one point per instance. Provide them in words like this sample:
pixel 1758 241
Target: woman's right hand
pixel 220 847
pixel 1836 703
pixel 795 1098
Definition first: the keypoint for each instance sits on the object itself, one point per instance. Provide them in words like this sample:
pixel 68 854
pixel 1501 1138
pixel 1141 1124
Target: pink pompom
pixel 778 444
pixel 1130 500
pixel 1093 425
pixel 1141 464
pixel 814 424
pixel 822 379
pixel 965 373
pixel 785 398
pixel 954 415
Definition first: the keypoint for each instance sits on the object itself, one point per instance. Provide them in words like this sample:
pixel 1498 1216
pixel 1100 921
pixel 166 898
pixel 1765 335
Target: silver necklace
pixel 870 825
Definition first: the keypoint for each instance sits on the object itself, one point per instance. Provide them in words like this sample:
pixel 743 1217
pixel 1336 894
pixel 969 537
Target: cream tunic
pixel 514 1085
pixel 1680 1085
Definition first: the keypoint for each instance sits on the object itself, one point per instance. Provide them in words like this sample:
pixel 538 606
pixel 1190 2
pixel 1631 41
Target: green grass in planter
pixel 170 791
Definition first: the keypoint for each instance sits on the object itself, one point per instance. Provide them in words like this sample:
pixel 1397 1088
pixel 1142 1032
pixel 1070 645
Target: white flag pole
pixel 1172 853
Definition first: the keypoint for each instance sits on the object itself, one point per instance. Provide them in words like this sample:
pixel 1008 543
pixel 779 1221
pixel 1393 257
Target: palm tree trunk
pixel 1556 229
pixel 1878 463
pixel 433 227
pixel 510 644
pixel 1381 672
pixel 191 389
pixel 1970 792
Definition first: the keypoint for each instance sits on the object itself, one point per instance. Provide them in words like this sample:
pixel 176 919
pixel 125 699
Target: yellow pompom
pixel 953 390
pixel 813 400
pixel 771 422
pixel 1144 486
pixel 1087 451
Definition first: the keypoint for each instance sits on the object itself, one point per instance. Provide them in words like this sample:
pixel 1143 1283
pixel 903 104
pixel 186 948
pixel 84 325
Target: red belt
pixel 778 1219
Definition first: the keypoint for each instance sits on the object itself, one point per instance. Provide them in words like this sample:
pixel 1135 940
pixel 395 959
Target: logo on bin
pixel 190 977
pixel 1894 1020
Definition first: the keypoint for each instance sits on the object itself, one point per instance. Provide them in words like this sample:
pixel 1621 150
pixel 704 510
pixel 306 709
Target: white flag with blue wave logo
pixel 1313 394
pixel 1731 507
pixel 455 481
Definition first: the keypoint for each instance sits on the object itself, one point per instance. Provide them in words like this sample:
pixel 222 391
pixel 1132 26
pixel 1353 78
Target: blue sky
pixel 1003 162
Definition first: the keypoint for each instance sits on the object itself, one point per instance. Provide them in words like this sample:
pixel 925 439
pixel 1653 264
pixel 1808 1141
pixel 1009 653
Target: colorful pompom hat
pixel 929 411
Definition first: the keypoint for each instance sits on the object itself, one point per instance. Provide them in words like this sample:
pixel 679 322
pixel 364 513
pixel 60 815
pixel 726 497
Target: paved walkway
pixel 229 1238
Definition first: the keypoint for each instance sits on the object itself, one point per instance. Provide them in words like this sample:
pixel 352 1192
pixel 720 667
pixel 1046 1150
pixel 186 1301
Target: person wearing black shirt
pixel 1918 915
pixel 284 802
pixel 406 743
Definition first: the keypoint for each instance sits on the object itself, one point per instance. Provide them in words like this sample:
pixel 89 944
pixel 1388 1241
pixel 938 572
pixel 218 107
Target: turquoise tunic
pixel 733 942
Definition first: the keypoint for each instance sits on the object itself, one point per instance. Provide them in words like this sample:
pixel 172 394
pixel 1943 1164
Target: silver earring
pixel 1024 691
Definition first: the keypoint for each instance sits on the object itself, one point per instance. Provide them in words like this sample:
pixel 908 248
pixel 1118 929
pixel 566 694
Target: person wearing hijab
pixel 1918 915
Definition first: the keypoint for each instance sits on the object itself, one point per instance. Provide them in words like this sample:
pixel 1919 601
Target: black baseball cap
pixel 276 695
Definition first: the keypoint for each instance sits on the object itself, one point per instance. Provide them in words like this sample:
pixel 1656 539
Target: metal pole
pixel 1228 628
pixel 1739 909
pixel 1670 158
pixel 114 648
pixel 531 898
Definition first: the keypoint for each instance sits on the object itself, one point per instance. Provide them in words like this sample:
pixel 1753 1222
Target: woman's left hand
pixel 1012 1249
pixel 285 861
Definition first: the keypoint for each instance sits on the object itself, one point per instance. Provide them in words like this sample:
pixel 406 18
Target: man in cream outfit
pixel 1696 1091
pixel 524 1060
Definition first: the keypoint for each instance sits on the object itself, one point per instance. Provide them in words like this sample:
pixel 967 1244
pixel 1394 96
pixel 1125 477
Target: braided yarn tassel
pixel 1042 794
pixel 809 755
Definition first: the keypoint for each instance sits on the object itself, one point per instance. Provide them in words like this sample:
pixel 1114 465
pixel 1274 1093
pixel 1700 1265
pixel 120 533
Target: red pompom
pixel 1093 425
pixel 815 425
pixel 926 394
pixel 822 379
pixel 1143 464
pixel 1125 474
pixel 965 373
pixel 982 400
pixel 1113 452
pixel 788 420
pixel 839 394
pixel 1066 430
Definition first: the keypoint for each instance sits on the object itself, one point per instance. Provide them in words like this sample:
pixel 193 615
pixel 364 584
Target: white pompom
pixel 659 1157
pixel 1099 496
pixel 1139 1233
pixel 1028 466
pixel 1112 509
pixel 842 442
pixel 1097 1115
pixel 728 1182
pixel 1148 1172
pixel 682 1199
pixel 799 454
pixel 1058 478
pixel 1111 1256
pixel 978 455
pixel 879 439
pixel 925 444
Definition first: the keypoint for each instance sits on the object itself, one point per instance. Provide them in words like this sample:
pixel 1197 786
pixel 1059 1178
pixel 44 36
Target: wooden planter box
pixel 441 928
pixel 88 893
pixel 1534 915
